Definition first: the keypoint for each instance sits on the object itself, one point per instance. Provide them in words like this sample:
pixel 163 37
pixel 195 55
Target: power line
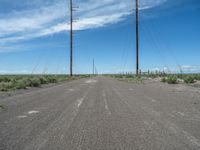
pixel 160 45
pixel 96 71
pixel 155 43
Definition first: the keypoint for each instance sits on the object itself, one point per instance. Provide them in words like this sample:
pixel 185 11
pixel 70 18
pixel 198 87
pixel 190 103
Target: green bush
pixel 13 82
pixel 2 107
pixel 34 82
pixel 51 79
pixel 189 79
pixel 63 78
pixel 164 80
pixel 6 86
pixel 197 77
pixel 180 76
pixel 21 84
pixel 172 80
pixel 5 79
pixel 119 76
pixel 43 80
pixel 153 75
pixel 130 76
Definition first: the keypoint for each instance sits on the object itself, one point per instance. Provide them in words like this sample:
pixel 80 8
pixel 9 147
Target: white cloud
pixel 50 17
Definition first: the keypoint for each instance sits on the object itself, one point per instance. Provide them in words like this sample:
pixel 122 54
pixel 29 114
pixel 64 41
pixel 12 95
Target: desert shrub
pixel 1 106
pixel 152 75
pixel 189 79
pixel 137 79
pixel 164 80
pixel 63 78
pixel 172 80
pixel 43 80
pixel 72 78
pixel 119 76
pixel 51 79
pixel 180 76
pixel 13 82
pixel 6 86
pixel 5 79
pixel 21 84
pixel 129 76
pixel 197 77
pixel 34 82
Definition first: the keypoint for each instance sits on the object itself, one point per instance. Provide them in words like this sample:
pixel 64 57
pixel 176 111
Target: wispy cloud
pixel 41 19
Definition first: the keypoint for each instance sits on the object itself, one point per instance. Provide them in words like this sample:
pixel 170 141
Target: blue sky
pixel 34 36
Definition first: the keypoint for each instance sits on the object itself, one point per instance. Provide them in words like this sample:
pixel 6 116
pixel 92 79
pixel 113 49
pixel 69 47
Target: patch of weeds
pixel 6 86
pixel 51 79
pixel 138 79
pixel 34 82
pixel 189 79
pixel 43 80
pixel 197 77
pixel 172 80
pixel 2 107
pixel 21 84
pixel 164 80
pixel 5 79
pixel 132 79
pixel 13 82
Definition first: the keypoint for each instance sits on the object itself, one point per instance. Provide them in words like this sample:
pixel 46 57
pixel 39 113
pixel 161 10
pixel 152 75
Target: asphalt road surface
pixel 101 114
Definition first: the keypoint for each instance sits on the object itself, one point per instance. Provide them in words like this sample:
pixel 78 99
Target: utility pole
pixel 71 38
pixel 93 66
pixel 137 41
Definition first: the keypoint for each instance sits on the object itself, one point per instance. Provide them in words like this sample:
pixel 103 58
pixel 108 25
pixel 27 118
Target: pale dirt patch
pixel 33 112
pixel 90 81
pixel 21 117
pixel 71 90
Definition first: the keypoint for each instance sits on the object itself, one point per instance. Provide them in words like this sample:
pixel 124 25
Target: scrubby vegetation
pixel 165 78
pixel 1 107
pixel 126 77
pixel 189 79
pixel 172 79
pixel 13 82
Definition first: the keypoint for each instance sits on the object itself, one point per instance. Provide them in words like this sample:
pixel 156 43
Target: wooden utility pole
pixel 93 66
pixel 71 38
pixel 137 41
